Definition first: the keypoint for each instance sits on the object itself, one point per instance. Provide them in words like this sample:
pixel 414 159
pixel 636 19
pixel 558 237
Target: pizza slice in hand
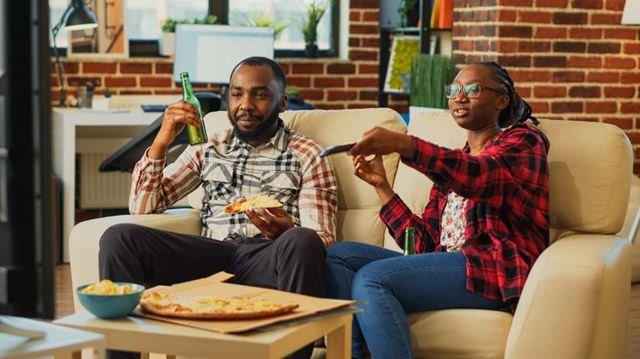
pixel 257 202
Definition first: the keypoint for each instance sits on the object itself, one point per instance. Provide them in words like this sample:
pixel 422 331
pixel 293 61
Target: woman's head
pixel 483 94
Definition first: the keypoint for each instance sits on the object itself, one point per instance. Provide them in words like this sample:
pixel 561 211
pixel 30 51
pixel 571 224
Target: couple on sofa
pixel 484 226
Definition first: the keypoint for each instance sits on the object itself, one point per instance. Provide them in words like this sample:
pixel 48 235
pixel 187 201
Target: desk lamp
pixel 631 13
pixel 77 16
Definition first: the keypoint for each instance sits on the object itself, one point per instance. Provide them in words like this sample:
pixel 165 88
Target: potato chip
pixel 107 287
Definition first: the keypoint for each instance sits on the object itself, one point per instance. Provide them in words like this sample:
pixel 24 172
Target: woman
pixel 485 223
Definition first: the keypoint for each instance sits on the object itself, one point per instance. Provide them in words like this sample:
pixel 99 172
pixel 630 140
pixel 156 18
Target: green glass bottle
pixel 409 241
pixel 196 135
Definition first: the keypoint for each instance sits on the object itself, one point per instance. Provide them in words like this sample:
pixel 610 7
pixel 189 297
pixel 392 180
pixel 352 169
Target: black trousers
pixel 293 262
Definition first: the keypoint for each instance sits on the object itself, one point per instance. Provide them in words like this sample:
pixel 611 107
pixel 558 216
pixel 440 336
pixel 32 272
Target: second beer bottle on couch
pixel 196 135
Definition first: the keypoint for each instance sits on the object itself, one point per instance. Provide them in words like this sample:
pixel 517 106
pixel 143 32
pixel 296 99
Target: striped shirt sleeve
pixel 154 187
pixel 318 202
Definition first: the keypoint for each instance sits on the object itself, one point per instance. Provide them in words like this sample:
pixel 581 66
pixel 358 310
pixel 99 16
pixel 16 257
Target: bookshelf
pixel 424 32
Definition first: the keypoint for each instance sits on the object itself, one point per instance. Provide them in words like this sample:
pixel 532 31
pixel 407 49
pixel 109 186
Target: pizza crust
pixel 211 307
pixel 251 204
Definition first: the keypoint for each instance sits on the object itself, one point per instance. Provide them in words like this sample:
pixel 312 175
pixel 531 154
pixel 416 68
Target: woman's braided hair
pixel 518 110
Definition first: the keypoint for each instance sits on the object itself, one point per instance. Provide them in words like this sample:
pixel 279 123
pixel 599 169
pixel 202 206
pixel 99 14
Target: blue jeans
pixel 391 285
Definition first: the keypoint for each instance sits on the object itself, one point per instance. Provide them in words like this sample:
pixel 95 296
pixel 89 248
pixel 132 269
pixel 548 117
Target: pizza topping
pixel 211 307
pixel 242 205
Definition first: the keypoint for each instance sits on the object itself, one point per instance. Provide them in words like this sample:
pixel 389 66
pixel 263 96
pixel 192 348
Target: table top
pixel 138 325
pixel 56 338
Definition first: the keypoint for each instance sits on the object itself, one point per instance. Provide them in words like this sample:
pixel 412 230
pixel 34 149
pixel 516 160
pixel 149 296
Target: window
pixel 293 13
pixel 144 17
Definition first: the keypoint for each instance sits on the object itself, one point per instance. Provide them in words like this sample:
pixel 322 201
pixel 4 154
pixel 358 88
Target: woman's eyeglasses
pixel 469 90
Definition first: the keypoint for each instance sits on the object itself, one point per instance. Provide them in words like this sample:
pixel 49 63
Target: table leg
pixel 68 355
pixel 339 342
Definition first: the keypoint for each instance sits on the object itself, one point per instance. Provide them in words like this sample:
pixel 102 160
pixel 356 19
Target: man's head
pixel 256 98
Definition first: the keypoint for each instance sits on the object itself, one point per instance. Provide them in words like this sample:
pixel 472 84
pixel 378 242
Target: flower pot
pixel 311 51
pixel 167 43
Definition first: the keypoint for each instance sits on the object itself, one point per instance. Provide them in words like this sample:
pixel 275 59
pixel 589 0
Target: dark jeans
pixel 391 285
pixel 293 262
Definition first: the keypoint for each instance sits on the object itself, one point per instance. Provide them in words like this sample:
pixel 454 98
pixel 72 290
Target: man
pixel 280 248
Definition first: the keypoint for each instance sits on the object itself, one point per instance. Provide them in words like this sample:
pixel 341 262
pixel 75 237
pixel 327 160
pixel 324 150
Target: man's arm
pixel 318 202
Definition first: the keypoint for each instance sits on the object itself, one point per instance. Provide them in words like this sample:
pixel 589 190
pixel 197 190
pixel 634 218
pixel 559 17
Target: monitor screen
pixel 209 52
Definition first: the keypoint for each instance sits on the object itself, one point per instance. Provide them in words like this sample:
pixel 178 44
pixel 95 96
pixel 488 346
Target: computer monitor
pixel 210 52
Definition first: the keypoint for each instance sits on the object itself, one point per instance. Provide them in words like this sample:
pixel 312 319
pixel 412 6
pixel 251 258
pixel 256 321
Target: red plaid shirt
pixel 507 209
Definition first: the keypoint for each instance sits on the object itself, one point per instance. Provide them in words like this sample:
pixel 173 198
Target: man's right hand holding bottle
pixel 175 117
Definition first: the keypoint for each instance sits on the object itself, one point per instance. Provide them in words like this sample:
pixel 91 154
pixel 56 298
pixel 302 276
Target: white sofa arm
pixel 582 281
pixel 85 237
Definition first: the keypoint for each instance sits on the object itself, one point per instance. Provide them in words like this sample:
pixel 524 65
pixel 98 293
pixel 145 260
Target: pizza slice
pixel 242 205
pixel 211 307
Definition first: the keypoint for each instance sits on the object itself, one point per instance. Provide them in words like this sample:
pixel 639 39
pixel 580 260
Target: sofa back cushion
pixel 590 168
pixel 358 203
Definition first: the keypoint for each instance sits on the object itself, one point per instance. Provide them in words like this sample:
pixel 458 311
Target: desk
pixel 59 341
pixel 67 123
pixel 145 335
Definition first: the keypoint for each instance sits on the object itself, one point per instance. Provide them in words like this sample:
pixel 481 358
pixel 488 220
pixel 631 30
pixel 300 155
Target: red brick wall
pixel 571 59
pixel 327 83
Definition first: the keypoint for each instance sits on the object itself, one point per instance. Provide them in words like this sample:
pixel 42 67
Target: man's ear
pixel 503 102
pixel 283 103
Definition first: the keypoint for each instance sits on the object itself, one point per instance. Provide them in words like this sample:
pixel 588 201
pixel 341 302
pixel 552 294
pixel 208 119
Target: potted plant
pixel 168 39
pixel 168 29
pixel 315 12
pixel 266 20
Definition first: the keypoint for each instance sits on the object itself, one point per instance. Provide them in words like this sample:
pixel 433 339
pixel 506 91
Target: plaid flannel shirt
pixel 288 167
pixel 507 211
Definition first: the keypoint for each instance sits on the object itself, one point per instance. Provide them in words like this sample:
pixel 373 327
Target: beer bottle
pixel 409 241
pixel 196 135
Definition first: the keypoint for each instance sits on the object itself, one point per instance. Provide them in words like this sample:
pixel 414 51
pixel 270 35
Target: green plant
pixel 292 90
pixel 315 12
pixel 207 20
pixel 429 75
pixel 263 20
pixel 169 24
pixel 403 10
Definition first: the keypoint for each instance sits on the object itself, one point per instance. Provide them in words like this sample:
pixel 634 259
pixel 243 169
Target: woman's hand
pixel 175 117
pixel 380 141
pixel 372 172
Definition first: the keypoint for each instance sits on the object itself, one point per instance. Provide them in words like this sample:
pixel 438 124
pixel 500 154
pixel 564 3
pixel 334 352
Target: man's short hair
pixel 264 61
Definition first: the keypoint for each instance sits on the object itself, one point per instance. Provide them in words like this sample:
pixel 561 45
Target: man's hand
pixel 271 222
pixel 175 117
pixel 380 141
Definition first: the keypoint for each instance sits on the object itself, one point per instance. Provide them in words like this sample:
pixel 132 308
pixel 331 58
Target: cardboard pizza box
pixel 215 285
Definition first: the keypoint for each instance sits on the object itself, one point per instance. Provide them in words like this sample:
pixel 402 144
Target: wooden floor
pixel 64 306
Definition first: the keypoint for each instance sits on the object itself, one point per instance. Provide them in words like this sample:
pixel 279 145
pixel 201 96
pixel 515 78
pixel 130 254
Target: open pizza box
pixel 215 285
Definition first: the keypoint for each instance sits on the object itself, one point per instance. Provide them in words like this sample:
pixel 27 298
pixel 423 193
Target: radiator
pixel 102 189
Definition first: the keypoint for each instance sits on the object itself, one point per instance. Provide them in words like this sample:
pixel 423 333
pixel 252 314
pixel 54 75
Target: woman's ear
pixel 503 102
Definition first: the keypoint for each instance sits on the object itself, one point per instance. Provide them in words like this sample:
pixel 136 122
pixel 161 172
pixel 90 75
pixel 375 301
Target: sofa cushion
pixel 358 203
pixel 436 330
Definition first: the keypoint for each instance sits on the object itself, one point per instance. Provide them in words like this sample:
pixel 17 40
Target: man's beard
pixel 260 131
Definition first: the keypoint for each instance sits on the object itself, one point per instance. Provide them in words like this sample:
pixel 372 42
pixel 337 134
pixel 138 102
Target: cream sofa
pixel 575 303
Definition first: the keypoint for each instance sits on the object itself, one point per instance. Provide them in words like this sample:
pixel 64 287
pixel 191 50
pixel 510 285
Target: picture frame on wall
pixel 403 48
pixel 109 39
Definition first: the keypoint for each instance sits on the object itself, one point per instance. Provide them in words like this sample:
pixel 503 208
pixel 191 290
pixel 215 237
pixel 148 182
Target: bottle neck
pixel 187 91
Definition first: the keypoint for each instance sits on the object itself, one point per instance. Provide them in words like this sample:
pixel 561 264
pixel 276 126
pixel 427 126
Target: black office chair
pixel 125 158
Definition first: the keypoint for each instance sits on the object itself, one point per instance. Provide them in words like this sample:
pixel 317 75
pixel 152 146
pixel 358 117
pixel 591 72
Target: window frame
pixel 220 8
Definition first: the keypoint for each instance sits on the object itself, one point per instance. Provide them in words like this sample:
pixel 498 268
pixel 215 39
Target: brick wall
pixel 327 83
pixel 571 59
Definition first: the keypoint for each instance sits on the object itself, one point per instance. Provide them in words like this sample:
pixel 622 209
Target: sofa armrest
pixel 85 238
pixel 582 280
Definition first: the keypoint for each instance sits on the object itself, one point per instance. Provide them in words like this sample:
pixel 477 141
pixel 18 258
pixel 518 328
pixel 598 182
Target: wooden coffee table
pixel 151 336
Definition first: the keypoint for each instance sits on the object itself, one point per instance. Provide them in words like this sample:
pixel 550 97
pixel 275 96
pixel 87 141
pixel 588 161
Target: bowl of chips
pixel 110 300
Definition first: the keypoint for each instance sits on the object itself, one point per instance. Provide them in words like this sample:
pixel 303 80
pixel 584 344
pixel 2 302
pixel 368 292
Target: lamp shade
pixel 80 17
pixel 631 14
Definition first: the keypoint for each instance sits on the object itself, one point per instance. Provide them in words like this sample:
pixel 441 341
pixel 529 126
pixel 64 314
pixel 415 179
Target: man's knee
pixel 115 238
pixel 301 239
